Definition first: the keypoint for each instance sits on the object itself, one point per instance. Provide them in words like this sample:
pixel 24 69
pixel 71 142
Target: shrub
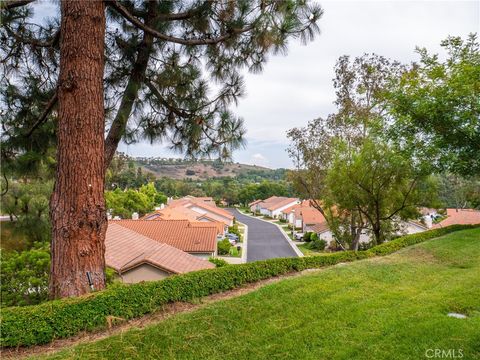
pixel 40 324
pixel 307 237
pixel 313 236
pixel 218 262
pixel 318 244
pixel 24 276
pixel 233 251
pixel 223 247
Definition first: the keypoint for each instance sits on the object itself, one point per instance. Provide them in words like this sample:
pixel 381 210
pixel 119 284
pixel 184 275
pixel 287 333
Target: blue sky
pixel 296 88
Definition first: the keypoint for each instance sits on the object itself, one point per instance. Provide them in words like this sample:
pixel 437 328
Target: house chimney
pixel 135 216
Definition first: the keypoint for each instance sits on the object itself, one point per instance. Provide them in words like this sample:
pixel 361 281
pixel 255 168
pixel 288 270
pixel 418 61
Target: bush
pixel 218 262
pixel 318 244
pixel 223 247
pixel 40 324
pixel 313 236
pixel 234 251
pixel 24 276
pixel 307 237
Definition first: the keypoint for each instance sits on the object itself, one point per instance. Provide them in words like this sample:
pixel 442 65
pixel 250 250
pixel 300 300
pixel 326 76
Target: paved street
pixel 265 241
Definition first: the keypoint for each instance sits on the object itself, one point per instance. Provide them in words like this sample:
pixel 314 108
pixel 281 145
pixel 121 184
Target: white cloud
pixel 259 159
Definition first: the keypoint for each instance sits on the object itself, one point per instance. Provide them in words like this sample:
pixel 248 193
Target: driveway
pixel 265 241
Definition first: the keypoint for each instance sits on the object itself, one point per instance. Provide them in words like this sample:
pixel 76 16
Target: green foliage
pixel 405 299
pixel 234 230
pixel 218 262
pixel 307 237
pixel 263 190
pixel 170 99
pixel 457 192
pixel 24 276
pixel 40 324
pixel 436 104
pixel 375 180
pixel 123 173
pixel 223 247
pixel 318 244
pixel 124 203
pixel 234 251
pixel 26 202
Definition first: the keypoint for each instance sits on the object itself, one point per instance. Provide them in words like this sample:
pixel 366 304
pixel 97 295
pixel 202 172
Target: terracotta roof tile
pixel 126 249
pixel 310 215
pixel 281 203
pixel 181 234
pixel 320 227
pixel 460 216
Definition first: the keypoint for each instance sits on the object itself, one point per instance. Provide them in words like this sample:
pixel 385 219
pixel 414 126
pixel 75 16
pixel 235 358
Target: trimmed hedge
pixel 40 324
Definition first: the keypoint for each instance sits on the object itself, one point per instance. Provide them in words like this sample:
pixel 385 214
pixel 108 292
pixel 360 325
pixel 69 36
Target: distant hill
pixel 204 169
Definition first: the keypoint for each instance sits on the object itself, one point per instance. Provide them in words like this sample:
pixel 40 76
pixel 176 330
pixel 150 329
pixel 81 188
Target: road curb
pixel 245 240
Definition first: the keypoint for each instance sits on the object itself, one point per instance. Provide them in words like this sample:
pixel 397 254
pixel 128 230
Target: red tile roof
pixel 304 203
pixel 126 249
pixel 460 216
pixel 181 234
pixel 212 209
pixel 320 227
pixel 310 215
pixel 255 202
pixel 281 203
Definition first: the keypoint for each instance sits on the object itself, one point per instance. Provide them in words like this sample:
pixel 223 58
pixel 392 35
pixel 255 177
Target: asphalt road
pixel 265 241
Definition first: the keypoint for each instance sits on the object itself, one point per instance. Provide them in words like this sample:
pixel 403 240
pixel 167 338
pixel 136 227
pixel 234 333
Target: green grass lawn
pixel 393 307
pixel 306 251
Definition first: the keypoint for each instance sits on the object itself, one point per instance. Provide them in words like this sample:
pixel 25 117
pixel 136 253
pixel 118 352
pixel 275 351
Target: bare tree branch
pixel 51 103
pixel 35 42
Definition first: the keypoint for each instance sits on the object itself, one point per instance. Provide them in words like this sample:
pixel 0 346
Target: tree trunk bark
pixel 77 205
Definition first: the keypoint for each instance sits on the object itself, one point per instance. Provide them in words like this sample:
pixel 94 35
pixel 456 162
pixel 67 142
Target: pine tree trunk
pixel 130 94
pixel 77 205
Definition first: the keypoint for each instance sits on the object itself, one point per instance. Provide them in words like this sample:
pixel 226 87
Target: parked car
pixel 232 242
pixel 231 236
pixel 299 236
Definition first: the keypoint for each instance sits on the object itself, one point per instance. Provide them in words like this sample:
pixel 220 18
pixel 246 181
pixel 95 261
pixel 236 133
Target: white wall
pixel 278 211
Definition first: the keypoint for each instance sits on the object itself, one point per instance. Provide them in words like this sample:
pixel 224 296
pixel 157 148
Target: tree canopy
pixel 161 59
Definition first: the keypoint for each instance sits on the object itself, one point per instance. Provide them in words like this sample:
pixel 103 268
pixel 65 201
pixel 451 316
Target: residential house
pixel 273 206
pixel 194 209
pixel 459 216
pixel 253 206
pixel 293 214
pixel 138 258
pixel 195 238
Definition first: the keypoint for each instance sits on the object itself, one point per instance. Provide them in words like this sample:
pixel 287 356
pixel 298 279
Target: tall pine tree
pixel 160 57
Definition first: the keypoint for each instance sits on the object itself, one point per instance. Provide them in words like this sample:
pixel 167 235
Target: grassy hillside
pixel 384 308
pixel 199 170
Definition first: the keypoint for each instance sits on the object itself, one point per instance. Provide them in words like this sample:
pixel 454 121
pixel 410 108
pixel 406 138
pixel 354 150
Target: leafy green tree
pixel 157 198
pixel 26 202
pixel 360 86
pixel 24 276
pixel 125 203
pixel 377 183
pixel 436 105
pixel 458 192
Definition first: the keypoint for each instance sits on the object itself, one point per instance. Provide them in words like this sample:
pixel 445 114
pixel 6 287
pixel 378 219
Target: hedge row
pixel 40 324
